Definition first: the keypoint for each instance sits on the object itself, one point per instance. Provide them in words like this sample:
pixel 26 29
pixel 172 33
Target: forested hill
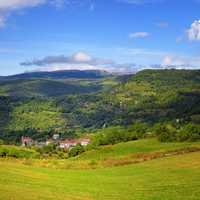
pixel 150 96
pixel 53 84
pixel 61 74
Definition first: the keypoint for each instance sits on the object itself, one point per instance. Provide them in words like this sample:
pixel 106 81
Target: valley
pixel 142 132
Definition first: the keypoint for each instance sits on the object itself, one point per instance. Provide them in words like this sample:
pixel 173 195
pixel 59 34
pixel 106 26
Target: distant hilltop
pixel 61 74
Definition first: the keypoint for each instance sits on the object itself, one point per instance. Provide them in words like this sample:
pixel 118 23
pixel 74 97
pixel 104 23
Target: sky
pixel 120 36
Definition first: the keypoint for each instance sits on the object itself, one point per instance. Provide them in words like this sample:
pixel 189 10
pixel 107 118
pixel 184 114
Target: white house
pixel 67 144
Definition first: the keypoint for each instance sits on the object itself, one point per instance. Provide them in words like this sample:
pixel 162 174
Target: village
pixel 63 144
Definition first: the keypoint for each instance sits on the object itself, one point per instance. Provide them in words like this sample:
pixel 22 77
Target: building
pixel 84 142
pixel 40 144
pixel 67 144
pixel 50 141
pixel 56 136
pixel 27 141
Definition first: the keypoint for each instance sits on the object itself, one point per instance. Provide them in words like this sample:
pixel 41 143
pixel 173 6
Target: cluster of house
pixel 63 144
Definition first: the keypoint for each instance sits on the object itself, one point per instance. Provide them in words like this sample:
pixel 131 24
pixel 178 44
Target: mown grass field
pixel 176 177
pixel 133 147
pixel 173 178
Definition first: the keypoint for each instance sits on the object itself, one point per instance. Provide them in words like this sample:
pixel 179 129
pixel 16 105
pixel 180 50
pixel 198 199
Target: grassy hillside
pixel 127 149
pixel 173 178
pixel 121 154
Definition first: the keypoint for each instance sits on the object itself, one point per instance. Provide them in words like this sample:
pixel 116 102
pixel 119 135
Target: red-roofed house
pixel 26 141
pixel 67 144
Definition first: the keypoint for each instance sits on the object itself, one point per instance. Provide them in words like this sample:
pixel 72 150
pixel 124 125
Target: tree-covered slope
pixel 60 74
pixel 47 87
pixel 160 94
pixel 57 83
pixel 150 96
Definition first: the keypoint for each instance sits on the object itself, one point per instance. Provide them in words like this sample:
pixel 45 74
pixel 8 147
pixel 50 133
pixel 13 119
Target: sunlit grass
pixel 173 178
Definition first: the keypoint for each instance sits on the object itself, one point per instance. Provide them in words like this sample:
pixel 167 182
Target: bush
pixel 1 142
pixel 52 150
pixel 48 149
pixel 167 136
pixel 189 132
pixel 165 132
pixel 17 152
pixel 169 133
pixel 114 135
pixel 77 150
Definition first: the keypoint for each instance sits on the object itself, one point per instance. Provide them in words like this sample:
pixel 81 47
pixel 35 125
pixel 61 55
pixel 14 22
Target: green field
pixel 176 177
pixel 130 148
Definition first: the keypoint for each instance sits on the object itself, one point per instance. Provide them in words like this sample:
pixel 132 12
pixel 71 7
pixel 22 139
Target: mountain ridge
pixel 59 74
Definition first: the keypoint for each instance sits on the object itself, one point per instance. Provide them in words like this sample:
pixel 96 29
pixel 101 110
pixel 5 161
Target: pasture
pixel 176 177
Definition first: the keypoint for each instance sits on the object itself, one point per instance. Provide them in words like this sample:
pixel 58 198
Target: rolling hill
pixel 52 84
pixel 61 74
pixel 150 96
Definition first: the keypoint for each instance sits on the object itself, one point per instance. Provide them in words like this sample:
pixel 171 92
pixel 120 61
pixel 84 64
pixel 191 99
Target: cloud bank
pixel 76 58
pixel 83 61
pixel 80 61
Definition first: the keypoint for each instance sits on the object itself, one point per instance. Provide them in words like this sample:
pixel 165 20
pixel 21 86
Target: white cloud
pixel 138 35
pixel 167 60
pixel 181 61
pixel 56 67
pixel 81 57
pixel 17 4
pixel 194 31
pixel 79 61
pixel 84 61
pixel 123 68
pixel 76 58
pixel 8 6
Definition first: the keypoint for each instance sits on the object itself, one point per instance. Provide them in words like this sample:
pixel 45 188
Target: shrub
pixel 1 142
pixel 189 132
pixel 169 133
pixel 165 132
pixel 114 135
pixel 75 151
pixel 17 152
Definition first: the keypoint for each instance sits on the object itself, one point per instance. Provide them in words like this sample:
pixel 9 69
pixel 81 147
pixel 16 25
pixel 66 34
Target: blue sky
pixel 115 35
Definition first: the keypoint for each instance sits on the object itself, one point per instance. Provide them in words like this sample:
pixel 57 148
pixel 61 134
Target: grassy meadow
pixel 172 178
pixel 169 176
pixel 125 149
